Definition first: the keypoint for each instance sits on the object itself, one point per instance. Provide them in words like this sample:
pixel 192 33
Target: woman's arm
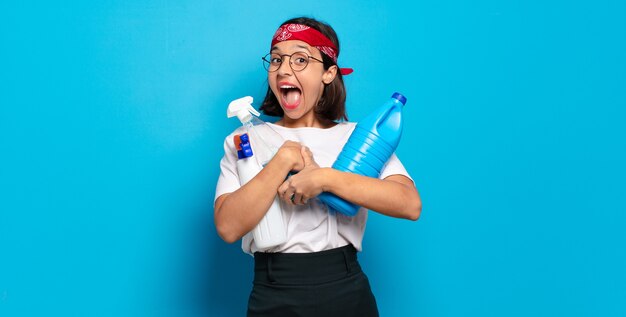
pixel 237 213
pixel 394 196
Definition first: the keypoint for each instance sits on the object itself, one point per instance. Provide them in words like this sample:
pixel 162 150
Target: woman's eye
pixel 275 60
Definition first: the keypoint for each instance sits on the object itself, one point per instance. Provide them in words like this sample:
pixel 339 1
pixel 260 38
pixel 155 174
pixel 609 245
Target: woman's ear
pixel 329 74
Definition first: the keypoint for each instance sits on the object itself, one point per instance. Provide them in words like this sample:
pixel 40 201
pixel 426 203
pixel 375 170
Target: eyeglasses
pixel 297 61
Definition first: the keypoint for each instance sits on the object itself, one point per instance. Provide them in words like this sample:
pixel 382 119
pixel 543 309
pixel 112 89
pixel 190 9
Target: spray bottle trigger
pixel 241 108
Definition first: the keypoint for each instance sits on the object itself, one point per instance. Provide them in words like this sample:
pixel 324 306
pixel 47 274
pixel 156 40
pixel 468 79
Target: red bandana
pixel 311 36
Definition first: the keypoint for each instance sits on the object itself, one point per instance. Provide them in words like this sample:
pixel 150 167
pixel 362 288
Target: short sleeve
pixel 394 167
pixel 228 180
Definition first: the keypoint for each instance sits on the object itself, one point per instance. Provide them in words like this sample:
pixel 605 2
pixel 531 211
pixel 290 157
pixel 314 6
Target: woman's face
pixel 299 91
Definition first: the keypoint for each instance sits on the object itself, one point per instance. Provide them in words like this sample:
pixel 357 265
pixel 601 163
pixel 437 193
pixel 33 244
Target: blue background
pixel 112 118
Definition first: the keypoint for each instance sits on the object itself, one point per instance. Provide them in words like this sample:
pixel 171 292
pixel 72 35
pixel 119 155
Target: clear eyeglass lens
pixel 298 61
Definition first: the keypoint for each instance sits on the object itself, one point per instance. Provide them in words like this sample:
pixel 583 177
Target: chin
pixel 292 115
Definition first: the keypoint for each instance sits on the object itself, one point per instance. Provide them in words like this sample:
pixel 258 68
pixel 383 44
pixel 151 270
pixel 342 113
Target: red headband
pixel 311 36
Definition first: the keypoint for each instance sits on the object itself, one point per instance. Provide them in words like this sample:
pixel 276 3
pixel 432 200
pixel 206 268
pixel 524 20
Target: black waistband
pixel 305 268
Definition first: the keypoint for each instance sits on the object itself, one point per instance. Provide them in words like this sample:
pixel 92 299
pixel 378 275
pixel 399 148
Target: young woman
pixel 316 271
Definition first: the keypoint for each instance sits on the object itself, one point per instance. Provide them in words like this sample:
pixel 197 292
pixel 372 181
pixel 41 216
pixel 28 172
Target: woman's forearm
pixel 394 196
pixel 239 212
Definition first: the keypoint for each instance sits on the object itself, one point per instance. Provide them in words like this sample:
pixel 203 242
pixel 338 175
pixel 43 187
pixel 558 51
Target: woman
pixel 316 271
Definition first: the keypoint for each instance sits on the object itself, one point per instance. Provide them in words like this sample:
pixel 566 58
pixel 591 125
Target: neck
pixel 310 122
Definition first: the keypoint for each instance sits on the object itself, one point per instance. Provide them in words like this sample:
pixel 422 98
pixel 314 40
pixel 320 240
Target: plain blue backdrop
pixel 113 114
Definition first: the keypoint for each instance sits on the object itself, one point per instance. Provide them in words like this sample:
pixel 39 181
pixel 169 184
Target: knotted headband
pixel 311 36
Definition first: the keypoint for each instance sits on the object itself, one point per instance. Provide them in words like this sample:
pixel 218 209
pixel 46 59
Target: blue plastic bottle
pixel 370 145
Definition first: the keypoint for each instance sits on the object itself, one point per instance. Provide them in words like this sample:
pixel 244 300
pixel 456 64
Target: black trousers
pixel 327 283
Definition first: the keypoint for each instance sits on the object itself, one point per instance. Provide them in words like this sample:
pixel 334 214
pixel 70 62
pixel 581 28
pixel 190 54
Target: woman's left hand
pixel 304 185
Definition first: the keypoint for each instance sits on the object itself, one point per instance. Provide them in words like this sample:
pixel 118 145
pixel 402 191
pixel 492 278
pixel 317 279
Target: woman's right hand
pixel 289 153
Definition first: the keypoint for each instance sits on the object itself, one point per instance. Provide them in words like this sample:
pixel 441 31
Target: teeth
pixel 287 86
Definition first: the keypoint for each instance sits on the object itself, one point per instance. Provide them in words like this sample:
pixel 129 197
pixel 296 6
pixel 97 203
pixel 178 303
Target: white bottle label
pixel 271 230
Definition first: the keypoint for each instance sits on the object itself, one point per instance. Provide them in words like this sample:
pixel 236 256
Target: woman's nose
pixel 285 66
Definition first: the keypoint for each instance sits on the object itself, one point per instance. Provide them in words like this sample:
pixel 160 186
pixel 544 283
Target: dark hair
pixel 332 104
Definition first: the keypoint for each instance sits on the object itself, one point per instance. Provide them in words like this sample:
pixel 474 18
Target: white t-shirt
pixel 311 227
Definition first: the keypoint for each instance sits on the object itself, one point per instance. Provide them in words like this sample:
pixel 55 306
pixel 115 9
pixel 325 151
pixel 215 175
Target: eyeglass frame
pixel 267 64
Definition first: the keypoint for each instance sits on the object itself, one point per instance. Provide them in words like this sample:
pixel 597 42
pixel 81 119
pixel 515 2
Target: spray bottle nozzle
pixel 242 108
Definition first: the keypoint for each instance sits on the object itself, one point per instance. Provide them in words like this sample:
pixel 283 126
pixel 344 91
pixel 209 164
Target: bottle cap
pixel 242 108
pixel 398 96
pixel 242 144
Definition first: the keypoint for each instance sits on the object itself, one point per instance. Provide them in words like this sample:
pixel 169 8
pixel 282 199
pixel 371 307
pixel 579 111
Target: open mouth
pixel 290 95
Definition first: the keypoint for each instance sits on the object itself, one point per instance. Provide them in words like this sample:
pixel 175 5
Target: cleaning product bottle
pixel 370 145
pixel 255 148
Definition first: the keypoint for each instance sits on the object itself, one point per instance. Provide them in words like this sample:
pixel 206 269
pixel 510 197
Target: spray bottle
pixel 255 148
